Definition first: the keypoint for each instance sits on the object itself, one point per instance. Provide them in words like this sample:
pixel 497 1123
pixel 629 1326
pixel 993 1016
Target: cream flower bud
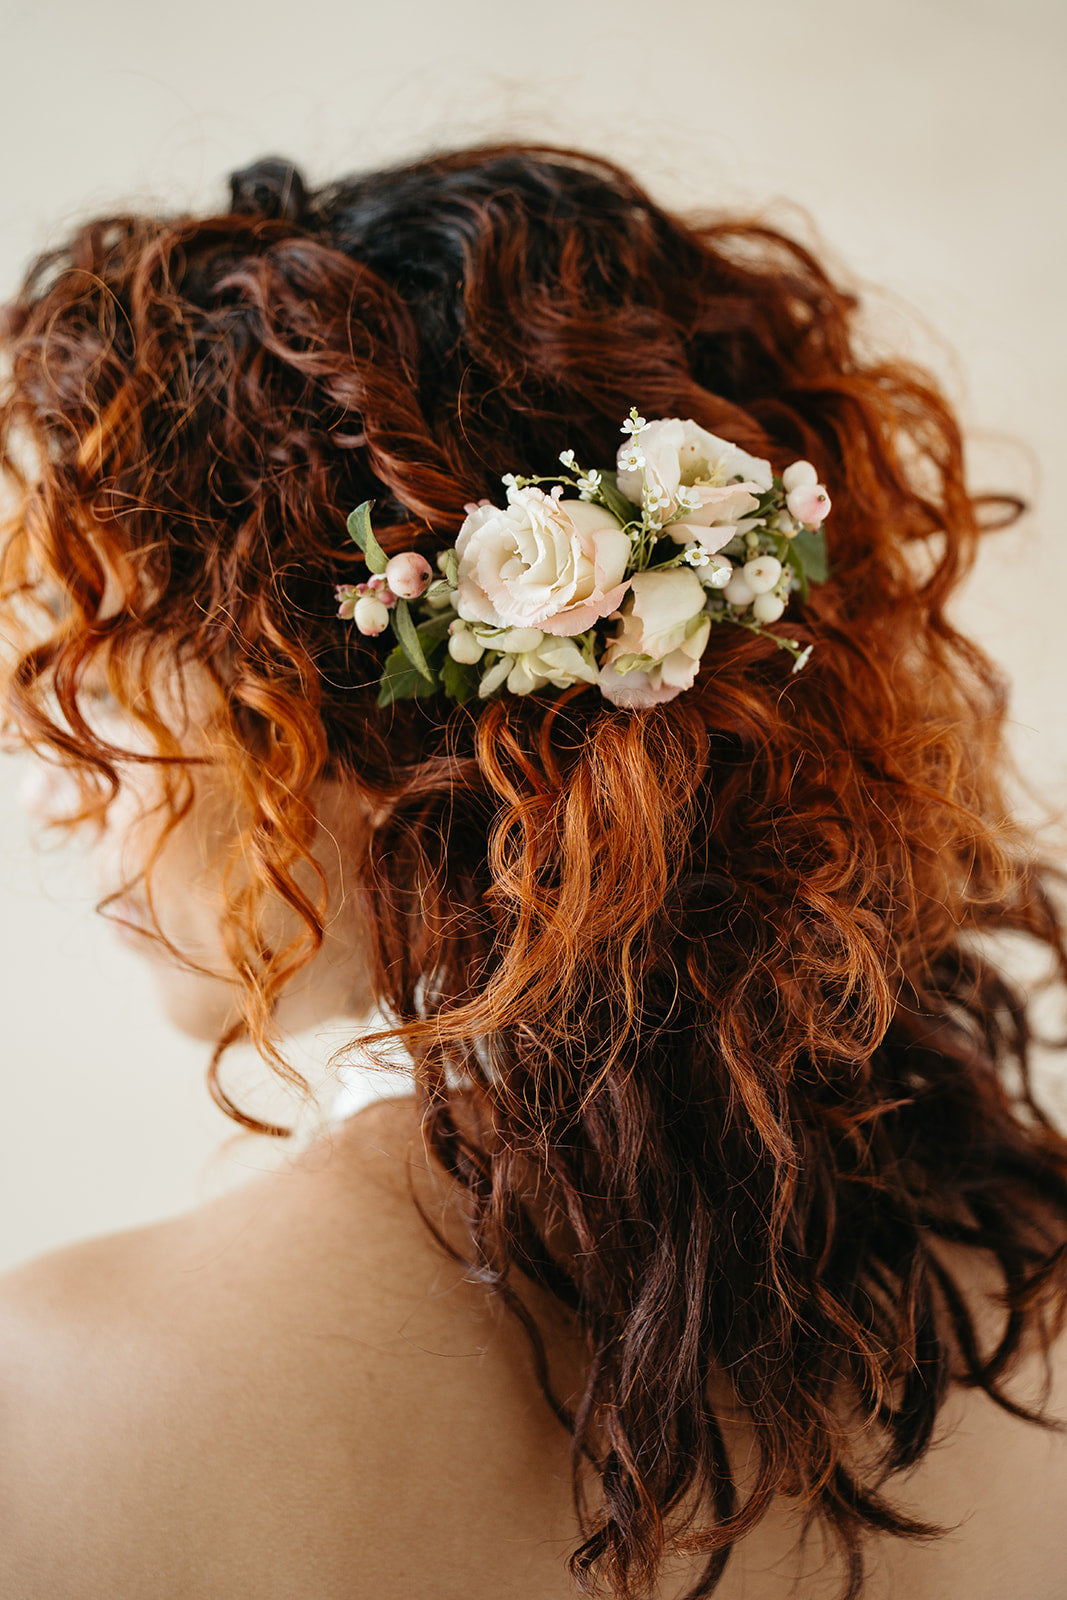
pixel 808 504
pixel 516 641
pixel 739 591
pixel 801 475
pixel 370 615
pixel 762 573
pixel 767 607
pixel 464 647
pixel 408 574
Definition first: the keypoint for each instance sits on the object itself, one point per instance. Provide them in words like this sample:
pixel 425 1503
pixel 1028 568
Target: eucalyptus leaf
pixel 408 635
pixel 810 547
pixel 452 567
pixel 435 628
pixel 460 680
pixel 361 533
pixel 400 680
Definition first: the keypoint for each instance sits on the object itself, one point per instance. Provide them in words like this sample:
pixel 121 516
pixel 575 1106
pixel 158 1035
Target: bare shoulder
pixel 267 1350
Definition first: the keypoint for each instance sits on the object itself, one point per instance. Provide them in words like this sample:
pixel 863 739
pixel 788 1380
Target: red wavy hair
pixel 715 972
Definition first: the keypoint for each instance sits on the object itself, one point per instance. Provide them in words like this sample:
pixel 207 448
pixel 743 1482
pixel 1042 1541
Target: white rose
pixel 691 471
pixel 553 661
pixel 541 563
pixel 665 626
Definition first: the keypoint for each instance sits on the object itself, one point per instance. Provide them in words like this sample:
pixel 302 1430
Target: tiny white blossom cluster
pixel 618 588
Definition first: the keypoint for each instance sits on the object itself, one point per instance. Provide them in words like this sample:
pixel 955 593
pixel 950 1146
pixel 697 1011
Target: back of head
pixel 712 973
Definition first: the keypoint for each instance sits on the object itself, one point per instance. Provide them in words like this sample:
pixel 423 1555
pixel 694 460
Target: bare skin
pixel 293 1394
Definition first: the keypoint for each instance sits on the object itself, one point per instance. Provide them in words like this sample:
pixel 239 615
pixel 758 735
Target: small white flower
pixel 718 573
pixel 588 485
pixel 509 480
pixel 803 658
pixel 630 460
pixel 633 424
pixel 567 457
pixel 696 557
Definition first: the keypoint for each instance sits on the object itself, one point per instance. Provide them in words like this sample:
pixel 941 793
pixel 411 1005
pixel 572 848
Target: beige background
pixel 925 137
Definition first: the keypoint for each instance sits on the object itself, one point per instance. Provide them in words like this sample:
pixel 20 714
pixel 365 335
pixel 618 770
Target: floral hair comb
pixel 619 587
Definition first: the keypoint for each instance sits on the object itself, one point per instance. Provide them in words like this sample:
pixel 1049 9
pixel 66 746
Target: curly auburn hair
pixel 714 971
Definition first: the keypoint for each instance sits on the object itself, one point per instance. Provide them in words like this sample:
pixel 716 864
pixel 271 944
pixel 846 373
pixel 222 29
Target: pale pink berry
pixel 762 573
pixel 767 607
pixel 370 615
pixel 809 504
pixel 801 475
pixel 346 595
pixel 408 575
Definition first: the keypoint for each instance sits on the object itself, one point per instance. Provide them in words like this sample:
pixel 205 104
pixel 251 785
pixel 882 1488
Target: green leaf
pixel 615 500
pixel 361 533
pixel 400 680
pixel 810 549
pixel 435 628
pixel 408 635
pixel 460 680
pixel 452 567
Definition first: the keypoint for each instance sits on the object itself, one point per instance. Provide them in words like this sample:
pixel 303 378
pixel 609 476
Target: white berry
pixel 799 476
pixel 767 607
pixel 738 591
pixel 762 573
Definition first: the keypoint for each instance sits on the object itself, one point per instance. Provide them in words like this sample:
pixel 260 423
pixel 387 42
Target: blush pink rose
pixel 712 483
pixel 541 562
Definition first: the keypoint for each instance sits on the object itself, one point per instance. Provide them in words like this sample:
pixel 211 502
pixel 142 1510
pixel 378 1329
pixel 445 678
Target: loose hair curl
pixel 714 973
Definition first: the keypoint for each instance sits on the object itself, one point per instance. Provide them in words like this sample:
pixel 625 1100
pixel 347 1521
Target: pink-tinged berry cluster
pixel 406 577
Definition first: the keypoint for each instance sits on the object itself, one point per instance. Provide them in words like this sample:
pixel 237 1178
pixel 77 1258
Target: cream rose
pixel 541 562
pixel 662 634
pixel 692 472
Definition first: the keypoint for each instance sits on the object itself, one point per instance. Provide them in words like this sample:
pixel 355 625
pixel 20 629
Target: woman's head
pixel 715 968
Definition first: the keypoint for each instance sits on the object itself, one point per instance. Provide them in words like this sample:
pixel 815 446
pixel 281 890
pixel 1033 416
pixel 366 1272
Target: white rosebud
pixel 370 616
pixel 767 607
pixel 738 590
pixel 762 573
pixel 408 574
pixel 801 475
pixel 464 647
